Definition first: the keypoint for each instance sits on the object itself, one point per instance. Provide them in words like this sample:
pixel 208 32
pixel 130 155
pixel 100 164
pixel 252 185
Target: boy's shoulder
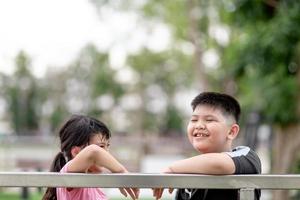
pixel 240 150
pixel 246 160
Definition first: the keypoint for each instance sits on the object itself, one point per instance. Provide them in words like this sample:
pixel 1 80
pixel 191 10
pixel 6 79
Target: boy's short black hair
pixel 226 103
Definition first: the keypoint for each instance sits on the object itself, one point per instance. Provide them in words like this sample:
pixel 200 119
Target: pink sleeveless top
pixel 79 193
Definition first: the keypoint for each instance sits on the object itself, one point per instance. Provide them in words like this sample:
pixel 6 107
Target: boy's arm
pixel 209 163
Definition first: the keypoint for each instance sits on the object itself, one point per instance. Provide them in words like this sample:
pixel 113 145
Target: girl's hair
pixel 77 131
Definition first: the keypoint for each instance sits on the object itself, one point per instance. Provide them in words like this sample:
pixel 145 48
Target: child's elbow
pixel 93 151
pixel 226 168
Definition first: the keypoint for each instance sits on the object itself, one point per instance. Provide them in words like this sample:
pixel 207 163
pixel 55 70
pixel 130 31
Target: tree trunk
pixel 285 148
pixel 194 34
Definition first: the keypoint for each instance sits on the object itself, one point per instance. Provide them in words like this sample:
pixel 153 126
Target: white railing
pixel 245 183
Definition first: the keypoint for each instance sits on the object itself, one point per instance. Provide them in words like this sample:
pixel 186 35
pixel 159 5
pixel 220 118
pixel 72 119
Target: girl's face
pixel 101 141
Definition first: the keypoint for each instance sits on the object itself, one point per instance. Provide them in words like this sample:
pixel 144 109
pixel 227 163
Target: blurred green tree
pixel 263 57
pixel 55 107
pixel 173 70
pixel 161 76
pixel 90 79
pixel 77 88
pixel 24 98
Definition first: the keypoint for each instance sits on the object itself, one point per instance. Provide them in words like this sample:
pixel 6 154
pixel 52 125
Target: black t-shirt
pixel 246 162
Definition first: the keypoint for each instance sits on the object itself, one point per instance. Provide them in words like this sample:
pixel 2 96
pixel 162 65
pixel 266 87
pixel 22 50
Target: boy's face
pixel 210 131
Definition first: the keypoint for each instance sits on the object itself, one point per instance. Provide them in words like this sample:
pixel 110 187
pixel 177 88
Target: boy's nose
pixel 200 125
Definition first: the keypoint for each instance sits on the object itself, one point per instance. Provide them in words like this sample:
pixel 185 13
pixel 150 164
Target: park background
pixel 136 65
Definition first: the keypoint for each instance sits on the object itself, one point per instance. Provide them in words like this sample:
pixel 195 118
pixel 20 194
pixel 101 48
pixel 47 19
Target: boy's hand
pixel 158 192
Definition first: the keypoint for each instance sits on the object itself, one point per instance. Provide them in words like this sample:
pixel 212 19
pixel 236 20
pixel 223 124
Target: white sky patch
pixel 127 75
pixel 52 32
pixel 119 119
pixel 158 99
pixel 183 99
pixel 187 48
pixel 131 102
pixel 105 102
pixel 117 57
pixel 221 33
pixel 159 39
pixel 211 59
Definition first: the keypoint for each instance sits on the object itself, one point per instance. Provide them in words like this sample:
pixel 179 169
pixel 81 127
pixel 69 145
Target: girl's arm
pixel 94 155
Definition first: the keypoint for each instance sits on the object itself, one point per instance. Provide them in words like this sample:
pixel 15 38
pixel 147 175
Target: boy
pixel 211 130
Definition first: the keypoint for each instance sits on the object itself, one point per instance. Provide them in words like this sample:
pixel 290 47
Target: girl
pixel 84 148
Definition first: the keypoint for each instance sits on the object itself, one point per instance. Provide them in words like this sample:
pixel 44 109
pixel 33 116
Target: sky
pixel 52 32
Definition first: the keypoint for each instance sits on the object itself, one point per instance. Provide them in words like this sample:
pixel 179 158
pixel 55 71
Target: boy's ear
pixel 75 150
pixel 234 131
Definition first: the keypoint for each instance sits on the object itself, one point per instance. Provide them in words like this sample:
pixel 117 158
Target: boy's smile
pixel 200 134
pixel 209 130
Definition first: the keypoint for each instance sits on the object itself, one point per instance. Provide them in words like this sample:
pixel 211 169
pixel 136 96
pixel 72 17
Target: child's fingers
pixel 136 192
pixel 157 192
pixel 131 193
pixel 154 191
pixel 123 192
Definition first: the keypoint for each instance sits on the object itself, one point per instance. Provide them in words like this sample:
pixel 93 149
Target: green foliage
pixel 174 12
pixel 170 71
pixel 173 121
pixel 24 97
pixel 262 57
pixel 57 117
pixel 100 73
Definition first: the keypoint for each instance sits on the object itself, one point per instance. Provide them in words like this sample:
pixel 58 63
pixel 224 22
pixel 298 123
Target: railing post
pixel 247 194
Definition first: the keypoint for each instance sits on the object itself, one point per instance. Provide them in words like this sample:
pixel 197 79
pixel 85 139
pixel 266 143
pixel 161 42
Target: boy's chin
pixel 201 148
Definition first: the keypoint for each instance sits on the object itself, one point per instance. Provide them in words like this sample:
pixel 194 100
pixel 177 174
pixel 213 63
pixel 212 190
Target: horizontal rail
pixel 49 179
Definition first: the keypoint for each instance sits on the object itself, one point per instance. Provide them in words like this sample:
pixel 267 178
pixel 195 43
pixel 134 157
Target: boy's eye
pixel 210 120
pixel 193 120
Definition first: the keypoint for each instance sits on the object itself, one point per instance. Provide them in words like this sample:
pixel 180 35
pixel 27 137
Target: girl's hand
pixel 133 192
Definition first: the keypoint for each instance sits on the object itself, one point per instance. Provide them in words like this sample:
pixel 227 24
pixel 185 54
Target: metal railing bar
pixel 48 179
pixel 247 194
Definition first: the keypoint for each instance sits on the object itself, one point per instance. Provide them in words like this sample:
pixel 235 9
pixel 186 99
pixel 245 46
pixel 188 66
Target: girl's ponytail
pixel 58 162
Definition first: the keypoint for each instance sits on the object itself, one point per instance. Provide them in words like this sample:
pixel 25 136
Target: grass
pixel 16 196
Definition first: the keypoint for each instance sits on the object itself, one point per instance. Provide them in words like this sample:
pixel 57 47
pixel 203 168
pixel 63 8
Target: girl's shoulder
pixel 64 169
